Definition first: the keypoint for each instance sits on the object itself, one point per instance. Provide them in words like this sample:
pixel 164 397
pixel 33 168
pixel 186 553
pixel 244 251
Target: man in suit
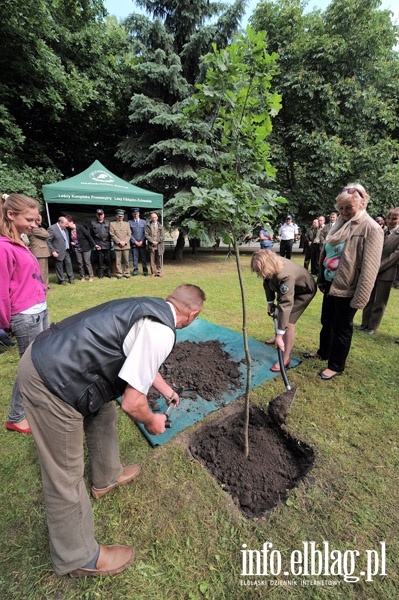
pixel 82 244
pixel 326 229
pixel 38 245
pixel 120 234
pixel 375 308
pixel 154 233
pixel 59 245
pixel 139 249
pixel 310 235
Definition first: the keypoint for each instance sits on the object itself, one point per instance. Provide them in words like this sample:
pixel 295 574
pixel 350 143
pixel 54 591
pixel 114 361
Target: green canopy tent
pixel 96 187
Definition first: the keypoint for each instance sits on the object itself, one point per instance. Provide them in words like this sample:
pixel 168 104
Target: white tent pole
pixel 164 241
pixel 48 215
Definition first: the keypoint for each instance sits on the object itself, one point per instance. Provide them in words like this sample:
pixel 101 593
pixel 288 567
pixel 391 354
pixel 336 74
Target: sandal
pixel 312 355
pixel 276 368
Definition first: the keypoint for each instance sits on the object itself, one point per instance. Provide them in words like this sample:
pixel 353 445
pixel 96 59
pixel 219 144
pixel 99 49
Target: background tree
pixel 237 104
pixel 340 88
pixel 168 48
pixel 63 86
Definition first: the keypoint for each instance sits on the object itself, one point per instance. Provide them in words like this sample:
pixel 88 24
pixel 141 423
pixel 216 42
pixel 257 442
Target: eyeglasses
pixel 351 191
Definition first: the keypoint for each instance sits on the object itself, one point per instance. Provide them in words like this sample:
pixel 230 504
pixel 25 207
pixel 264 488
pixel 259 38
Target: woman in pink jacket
pixel 23 307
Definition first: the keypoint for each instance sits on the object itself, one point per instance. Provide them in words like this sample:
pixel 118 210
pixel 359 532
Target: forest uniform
pixel 373 312
pixel 120 234
pixel 39 248
pixel 293 288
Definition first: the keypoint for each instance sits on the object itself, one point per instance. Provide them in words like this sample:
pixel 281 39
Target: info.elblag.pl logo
pixel 331 566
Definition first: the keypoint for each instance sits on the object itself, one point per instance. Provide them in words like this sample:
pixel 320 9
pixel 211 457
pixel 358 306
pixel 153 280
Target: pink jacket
pixel 21 284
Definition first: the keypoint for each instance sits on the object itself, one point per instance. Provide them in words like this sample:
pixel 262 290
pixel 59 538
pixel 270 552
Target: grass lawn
pixel 187 534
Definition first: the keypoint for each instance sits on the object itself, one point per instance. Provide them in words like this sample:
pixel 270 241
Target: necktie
pixel 64 235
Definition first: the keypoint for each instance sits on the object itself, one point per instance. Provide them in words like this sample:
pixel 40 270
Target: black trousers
pixel 139 253
pixel 286 248
pixel 314 258
pixel 336 331
pixel 104 260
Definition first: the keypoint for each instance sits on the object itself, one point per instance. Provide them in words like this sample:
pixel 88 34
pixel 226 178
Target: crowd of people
pixel 76 246
pixel 353 262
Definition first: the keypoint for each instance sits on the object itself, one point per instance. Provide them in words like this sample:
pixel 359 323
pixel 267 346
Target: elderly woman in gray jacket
pixel 349 264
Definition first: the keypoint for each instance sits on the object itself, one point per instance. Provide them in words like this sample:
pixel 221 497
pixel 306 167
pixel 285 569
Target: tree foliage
pixel 237 103
pixel 340 88
pixel 62 84
pixel 168 49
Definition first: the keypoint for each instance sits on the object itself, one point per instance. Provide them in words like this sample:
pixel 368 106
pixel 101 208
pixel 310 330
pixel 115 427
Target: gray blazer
pixel 56 241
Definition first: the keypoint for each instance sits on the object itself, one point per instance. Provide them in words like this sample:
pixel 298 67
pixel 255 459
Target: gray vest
pixel 79 358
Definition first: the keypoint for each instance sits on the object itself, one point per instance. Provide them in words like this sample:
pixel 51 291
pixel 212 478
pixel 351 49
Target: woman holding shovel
pixel 292 287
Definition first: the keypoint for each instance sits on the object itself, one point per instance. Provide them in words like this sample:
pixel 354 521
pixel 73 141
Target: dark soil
pixel 202 368
pixel 278 407
pixel 277 461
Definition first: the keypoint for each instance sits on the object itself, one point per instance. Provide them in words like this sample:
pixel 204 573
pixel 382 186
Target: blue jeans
pixel 25 328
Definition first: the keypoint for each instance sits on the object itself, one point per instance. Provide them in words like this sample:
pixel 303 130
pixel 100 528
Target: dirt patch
pixel 203 369
pixel 277 461
pixel 279 407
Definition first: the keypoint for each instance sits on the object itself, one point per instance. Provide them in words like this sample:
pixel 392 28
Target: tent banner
pixel 96 185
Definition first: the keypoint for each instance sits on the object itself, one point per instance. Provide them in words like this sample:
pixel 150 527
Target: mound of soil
pixel 280 405
pixel 202 368
pixel 276 462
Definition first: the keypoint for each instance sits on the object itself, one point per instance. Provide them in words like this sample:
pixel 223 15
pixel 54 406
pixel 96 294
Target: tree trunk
pixel 246 348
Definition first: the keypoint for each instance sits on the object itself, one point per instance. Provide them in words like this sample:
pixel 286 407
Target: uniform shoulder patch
pixel 284 288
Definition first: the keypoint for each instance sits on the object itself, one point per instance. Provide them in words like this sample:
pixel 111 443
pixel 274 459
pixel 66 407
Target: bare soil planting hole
pixel 277 461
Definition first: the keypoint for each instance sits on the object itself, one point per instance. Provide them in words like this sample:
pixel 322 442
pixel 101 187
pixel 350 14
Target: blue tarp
pixel 191 411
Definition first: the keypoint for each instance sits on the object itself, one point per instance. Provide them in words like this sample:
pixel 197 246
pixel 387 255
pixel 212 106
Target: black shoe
pixel 362 327
pixel 7 342
pixel 327 377
pixel 145 274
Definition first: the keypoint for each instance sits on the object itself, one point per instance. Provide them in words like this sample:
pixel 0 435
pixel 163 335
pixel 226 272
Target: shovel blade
pixel 279 407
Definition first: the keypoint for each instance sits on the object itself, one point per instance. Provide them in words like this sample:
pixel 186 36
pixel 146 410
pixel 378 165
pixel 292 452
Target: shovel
pixel 279 407
pixel 172 405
